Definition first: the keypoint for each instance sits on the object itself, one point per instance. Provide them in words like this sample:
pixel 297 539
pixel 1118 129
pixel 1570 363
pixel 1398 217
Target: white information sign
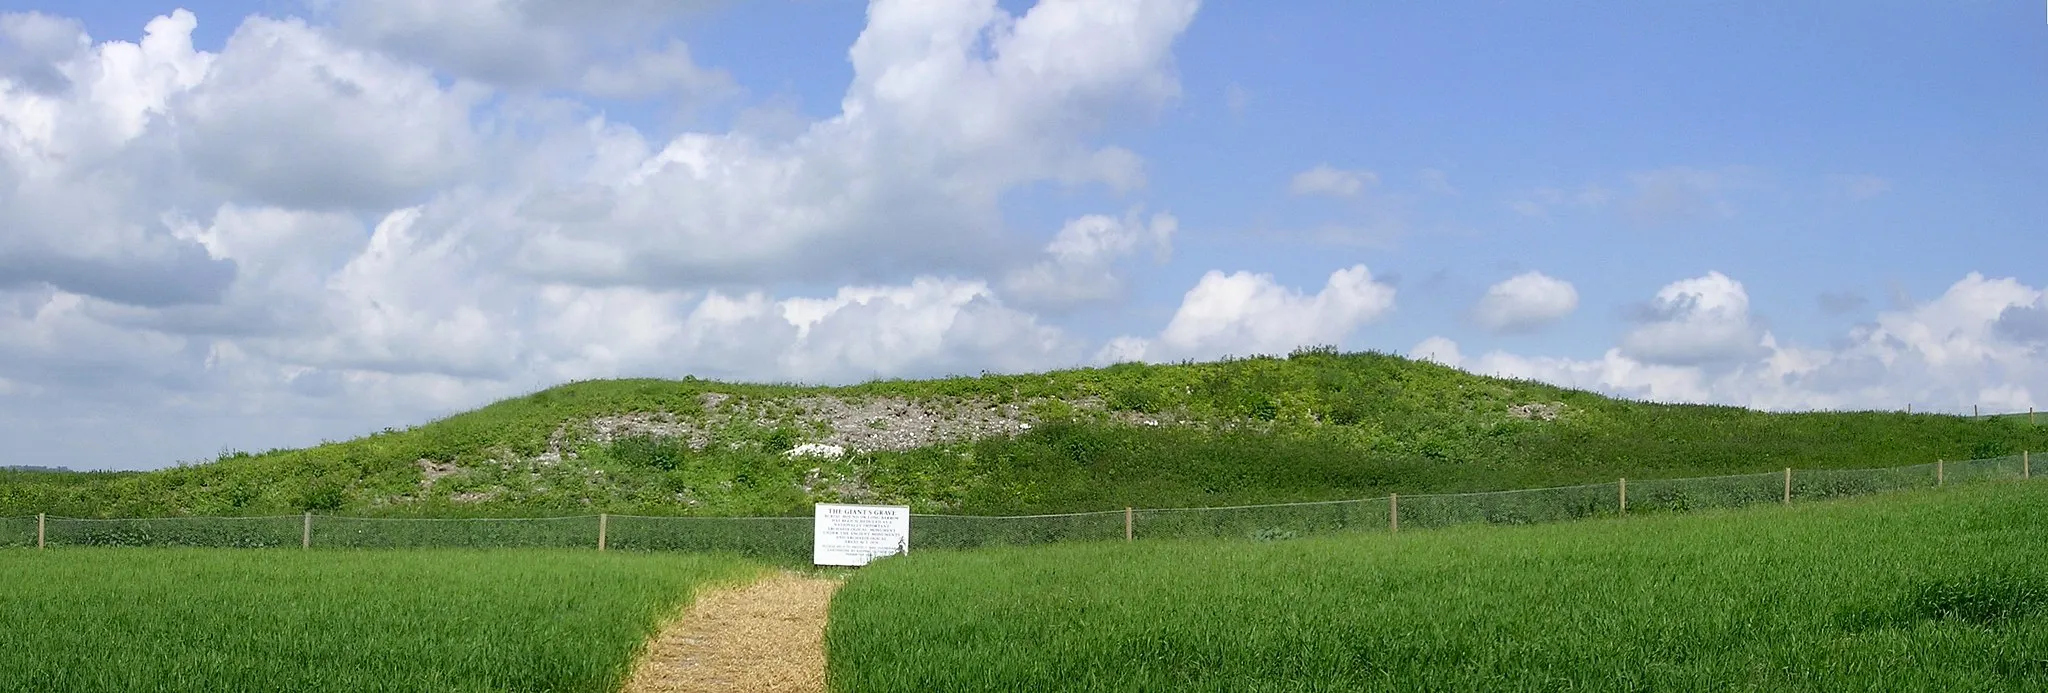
pixel 856 534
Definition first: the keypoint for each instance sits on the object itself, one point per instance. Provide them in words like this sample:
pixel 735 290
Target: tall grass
pixel 240 620
pixel 1926 590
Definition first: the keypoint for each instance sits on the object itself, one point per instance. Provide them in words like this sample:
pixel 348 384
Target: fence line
pixel 180 517
pixel 1978 412
pixel 719 517
pixel 471 519
pixel 1079 514
pixel 789 537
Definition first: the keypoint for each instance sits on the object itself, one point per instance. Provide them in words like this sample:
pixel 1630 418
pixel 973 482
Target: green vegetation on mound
pixel 241 620
pixel 1926 590
pixel 1316 425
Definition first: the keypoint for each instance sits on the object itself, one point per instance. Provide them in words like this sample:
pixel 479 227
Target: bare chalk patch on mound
pixel 767 636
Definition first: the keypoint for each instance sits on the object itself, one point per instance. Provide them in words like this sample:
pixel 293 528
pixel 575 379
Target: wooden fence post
pixel 39 531
pixel 2026 465
pixel 1940 474
pixel 1393 513
pixel 1788 485
pixel 1909 407
pixel 306 531
pixel 1127 523
pixel 603 524
pixel 1624 495
pixel 1973 411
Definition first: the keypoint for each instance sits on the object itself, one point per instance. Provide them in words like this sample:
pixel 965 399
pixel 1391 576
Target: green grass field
pixel 1923 590
pixel 270 620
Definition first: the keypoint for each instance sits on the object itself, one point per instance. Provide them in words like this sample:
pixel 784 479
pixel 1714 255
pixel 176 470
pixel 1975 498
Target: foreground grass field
pixel 257 620
pixel 1936 590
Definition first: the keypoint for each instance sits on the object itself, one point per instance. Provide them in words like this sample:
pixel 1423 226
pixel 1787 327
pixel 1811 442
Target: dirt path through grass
pixel 767 636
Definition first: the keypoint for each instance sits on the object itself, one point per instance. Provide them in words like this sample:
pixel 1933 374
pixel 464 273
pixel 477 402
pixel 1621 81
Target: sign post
pixel 852 535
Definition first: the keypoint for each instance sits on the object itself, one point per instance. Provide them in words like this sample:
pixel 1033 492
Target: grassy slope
pixel 1925 590
pixel 1316 425
pixel 198 619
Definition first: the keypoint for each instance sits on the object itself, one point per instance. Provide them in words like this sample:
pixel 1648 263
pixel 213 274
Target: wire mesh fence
pixel 1991 469
pixel 1261 522
pixel 790 538
pixel 1822 484
pixel 969 532
pixel 1509 507
pixel 1973 411
pixel 396 533
pixel 224 532
pixel 17 532
pixel 1681 495
pixel 755 537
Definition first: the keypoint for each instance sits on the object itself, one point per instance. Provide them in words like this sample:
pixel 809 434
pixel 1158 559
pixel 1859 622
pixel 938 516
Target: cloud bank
pixel 1982 342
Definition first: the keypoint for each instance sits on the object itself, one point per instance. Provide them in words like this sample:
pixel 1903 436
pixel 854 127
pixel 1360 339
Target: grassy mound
pixel 1313 426
pixel 1925 590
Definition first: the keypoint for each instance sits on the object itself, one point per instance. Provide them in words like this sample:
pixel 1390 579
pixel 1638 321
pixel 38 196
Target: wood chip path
pixel 766 637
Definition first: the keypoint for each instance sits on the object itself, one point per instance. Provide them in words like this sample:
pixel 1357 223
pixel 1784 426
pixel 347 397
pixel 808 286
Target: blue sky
pixel 323 218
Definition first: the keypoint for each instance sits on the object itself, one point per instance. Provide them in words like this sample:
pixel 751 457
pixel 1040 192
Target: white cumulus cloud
pixel 1960 349
pixel 1438 350
pixel 606 48
pixel 288 116
pixel 1243 313
pixel 951 105
pixel 1079 266
pixel 1696 321
pixel 389 210
pixel 1526 301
